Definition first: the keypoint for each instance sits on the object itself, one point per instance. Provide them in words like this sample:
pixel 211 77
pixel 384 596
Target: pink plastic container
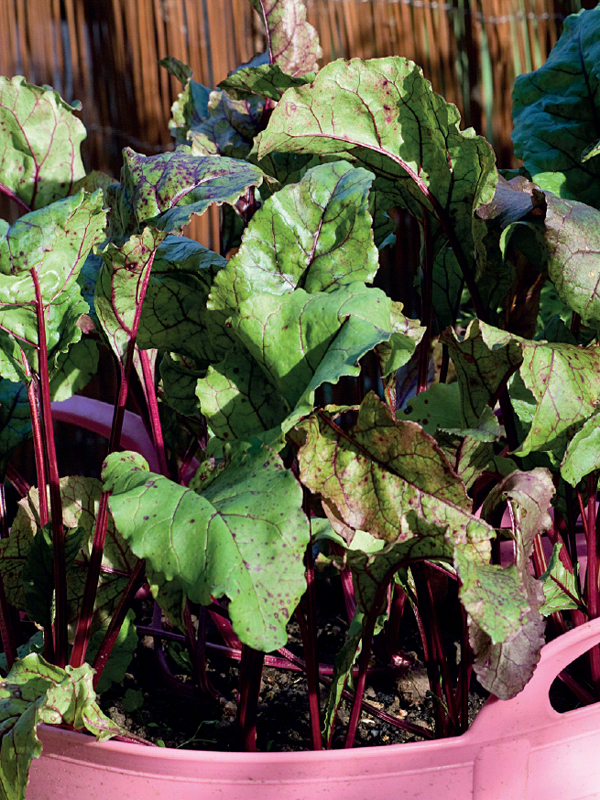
pixel 516 749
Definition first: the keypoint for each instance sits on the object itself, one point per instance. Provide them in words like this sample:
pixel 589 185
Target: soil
pixel 169 711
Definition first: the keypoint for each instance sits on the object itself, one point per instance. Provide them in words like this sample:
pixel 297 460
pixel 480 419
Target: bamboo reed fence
pixel 105 53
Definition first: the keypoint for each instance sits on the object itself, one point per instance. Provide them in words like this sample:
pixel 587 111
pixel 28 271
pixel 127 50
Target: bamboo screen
pixel 105 53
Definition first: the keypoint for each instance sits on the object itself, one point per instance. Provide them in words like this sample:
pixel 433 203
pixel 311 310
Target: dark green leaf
pixel 555 113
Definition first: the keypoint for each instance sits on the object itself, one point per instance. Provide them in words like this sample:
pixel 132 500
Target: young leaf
pixel 242 535
pixel 36 692
pixel 120 655
pixel 385 117
pixel 292 42
pixel 555 113
pixel 314 235
pixel 39 155
pixel 561 587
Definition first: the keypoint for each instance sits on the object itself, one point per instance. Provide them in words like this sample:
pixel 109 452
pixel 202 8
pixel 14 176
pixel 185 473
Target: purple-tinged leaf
pixel 293 43
pixel 504 605
pixel 167 189
pixel 573 243
pixel 121 286
pixel 391 479
pixel 39 143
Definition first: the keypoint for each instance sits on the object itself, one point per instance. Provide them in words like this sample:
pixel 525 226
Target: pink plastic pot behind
pixel 516 749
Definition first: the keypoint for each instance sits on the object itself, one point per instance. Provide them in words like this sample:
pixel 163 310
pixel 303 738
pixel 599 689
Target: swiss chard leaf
pixel 41 256
pixel 314 235
pixel 561 378
pixel 39 158
pixel 174 315
pixel 241 534
pixel 167 189
pixel 293 43
pixel 391 479
pixel 555 113
pixel 383 115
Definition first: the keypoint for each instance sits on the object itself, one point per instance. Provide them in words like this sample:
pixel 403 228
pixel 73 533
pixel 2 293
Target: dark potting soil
pixel 167 709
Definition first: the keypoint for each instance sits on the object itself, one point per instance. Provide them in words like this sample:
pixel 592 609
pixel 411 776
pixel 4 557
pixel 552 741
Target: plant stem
pixel 135 581
pixel 593 528
pixel 38 450
pixel 363 659
pixel 58 531
pixel 15 198
pixel 426 306
pixel 150 391
pixel 91 586
pixel 251 667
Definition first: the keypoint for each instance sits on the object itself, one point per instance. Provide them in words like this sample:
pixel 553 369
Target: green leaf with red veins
pixel 561 587
pixel 167 189
pixel 80 500
pixel 302 341
pixel 121 286
pixel 50 244
pixel 37 692
pixel 40 140
pixel 238 399
pixel 563 380
pixel 391 479
pixel 573 242
pixel 241 534
pixel 314 235
pixel 174 313
pixel 384 116
pixel 482 371
pixel 292 42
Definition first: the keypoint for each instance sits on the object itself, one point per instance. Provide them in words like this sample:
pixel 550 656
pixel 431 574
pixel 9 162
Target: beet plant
pixel 302 418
